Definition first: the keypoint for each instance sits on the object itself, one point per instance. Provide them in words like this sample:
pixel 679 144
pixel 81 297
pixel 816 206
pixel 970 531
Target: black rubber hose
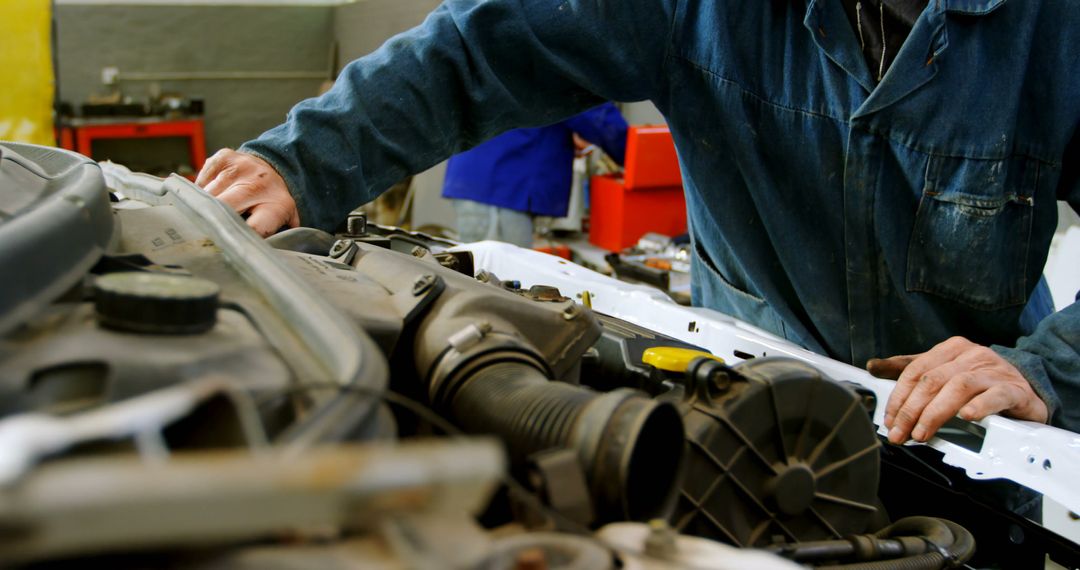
pixel 630 446
pixel 910 543
pixel 954 543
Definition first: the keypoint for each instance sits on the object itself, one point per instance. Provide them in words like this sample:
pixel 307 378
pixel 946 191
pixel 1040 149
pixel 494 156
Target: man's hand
pixel 250 186
pixel 954 376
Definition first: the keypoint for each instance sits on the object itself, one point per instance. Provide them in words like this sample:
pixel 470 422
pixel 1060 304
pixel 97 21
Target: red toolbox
pixel 647 197
pixel 80 134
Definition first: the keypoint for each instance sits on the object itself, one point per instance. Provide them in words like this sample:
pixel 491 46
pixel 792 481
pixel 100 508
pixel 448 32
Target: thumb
pixel 267 218
pixel 889 368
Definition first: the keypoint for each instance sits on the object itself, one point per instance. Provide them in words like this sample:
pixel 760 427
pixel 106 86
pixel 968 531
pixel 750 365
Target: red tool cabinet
pixel 647 197
pixel 80 135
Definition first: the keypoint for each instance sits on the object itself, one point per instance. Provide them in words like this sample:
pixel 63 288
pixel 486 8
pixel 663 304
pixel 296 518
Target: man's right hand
pixel 250 186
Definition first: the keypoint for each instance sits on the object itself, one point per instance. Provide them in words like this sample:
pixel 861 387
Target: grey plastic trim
pixel 47 247
pixel 348 357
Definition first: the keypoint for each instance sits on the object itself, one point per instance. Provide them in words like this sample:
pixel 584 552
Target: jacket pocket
pixel 716 291
pixel 972 231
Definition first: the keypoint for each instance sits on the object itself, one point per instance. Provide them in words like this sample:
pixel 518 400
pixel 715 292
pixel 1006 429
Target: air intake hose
pixel 630 446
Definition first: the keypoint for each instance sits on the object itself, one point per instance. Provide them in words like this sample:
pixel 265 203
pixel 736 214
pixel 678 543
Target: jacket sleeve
pixel 473 69
pixel 603 126
pixel 1050 357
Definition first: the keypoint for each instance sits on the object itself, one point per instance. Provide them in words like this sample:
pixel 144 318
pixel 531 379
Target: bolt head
pixel 340 246
pixel 356 224
pixel 422 284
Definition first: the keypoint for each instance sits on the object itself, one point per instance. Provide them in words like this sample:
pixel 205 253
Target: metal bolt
pixel 343 250
pixel 356 224
pixel 418 251
pixel 469 336
pixel 571 312
pixel 661 541
pixel 422 284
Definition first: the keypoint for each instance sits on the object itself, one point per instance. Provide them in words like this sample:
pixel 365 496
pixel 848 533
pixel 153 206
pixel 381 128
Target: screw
pixel 570 312
pixel 418 251
pixel 341 248
pixel 422 284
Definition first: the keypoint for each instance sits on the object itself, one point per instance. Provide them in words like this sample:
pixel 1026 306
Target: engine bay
pixel 181 393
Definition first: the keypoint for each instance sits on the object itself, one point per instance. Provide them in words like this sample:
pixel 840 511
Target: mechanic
pixel 500 185
pixel 864 178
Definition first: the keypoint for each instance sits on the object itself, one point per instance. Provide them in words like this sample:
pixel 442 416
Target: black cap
pixel 156 303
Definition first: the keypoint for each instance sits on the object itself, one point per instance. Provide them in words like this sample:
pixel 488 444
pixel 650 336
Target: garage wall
pixel 199 38
pixel 361 28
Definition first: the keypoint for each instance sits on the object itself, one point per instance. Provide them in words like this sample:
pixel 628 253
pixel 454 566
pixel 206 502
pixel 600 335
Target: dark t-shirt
pixel 870 17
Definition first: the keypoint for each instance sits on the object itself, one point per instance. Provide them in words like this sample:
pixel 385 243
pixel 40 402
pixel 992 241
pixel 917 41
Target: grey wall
pixel 162 38
pixel 200 38
pixel 642 113
pixel 361 28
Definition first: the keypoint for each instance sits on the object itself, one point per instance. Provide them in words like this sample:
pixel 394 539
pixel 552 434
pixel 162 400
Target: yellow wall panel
pixel 26 71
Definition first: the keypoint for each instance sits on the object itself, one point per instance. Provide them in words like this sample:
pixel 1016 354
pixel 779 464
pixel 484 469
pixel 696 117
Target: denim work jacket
pixel 854 218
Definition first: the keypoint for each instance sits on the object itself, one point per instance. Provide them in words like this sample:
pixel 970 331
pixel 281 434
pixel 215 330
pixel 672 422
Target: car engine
pixel 180 393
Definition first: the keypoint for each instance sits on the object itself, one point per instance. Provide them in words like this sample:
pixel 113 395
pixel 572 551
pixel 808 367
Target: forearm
pixel 473 70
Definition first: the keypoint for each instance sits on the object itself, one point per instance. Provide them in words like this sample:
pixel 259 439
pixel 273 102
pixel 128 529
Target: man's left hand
pixel 956 376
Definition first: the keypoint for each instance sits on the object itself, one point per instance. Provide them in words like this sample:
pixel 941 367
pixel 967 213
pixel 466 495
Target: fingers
pixel 972 396
pixel 240 196
pixel 221 181
pixel 995 400
pixel 915 369
pixel 212 167
pixel 247 183
pixel 956 377
pixel 899 395
pixel 267 219
pixel 1028 405
pixel 925 389
pixel 940 354
pixel 889 368
pixel 955 394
